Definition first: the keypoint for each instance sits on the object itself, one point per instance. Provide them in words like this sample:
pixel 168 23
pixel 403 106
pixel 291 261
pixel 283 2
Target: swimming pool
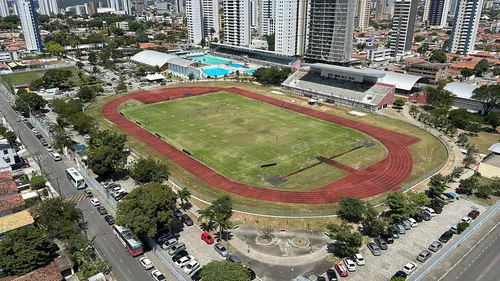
pixel 236 65
pixel 250 71
pixel 216 72
pixel 210 60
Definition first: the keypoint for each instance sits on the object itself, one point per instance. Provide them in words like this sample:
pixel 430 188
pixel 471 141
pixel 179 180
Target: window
pixel 5 151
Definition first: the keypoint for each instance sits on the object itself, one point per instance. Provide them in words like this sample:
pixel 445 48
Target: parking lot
pixel 408 246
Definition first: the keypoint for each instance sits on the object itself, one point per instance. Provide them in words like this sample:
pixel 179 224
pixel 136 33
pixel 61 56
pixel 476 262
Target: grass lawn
pixel 28 77
pixel 236 135
pixel 485 140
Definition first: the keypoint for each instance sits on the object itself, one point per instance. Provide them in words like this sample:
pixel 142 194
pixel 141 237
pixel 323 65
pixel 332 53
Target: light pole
pixel 291 275
pixel 312 240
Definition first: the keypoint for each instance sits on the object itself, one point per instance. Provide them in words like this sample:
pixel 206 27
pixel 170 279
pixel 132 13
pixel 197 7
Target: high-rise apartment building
pixel 290 27
pixel 139 6
pixel 180 6
pixel 267 17
pixel 427 6
pixel 330 28
pixel 202 19
pixel 48 7
pixel 115 4
pixel 438 13
pixel 29 24
pixel 403 25
pixel 127 7
pixel 465 25
pixel 237 22
pixel 4 8
pixel 363 9
pixel 254 13
pixel 384 9
pixel 210 12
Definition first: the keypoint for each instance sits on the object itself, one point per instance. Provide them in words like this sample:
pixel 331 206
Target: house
pixel 15 221
pixel 47 273
pixel 6 155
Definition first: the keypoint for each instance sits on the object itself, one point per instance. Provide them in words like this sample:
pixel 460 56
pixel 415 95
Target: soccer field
pixel 235 136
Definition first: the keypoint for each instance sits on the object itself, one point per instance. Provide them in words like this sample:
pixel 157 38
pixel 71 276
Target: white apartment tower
pixel 403 25
pixel 115 4
pixel 290 27
pixel 330 29
pixel 465 24
pixel 29 24
pixel 194 16
pixel 384 9
pixel 237 22
pixel 210 11
pixel 48 7
pixel 127 7
pixel 363 8
pixel 4 8
pixel 268 16
pixel 254 10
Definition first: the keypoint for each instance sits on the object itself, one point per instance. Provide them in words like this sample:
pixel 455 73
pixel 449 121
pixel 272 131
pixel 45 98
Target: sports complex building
pixel 365 89
pixel 172 63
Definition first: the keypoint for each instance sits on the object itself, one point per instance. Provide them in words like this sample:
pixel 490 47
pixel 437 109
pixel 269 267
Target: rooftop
pixel 11 202
pixel 495 148
pixel 8 187
pixel 47 273
pixel 461 90
pixel 5 176
pixel 15 221
pixel 155 58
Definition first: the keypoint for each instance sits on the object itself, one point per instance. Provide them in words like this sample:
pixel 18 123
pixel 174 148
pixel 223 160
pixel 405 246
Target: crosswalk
pixel 75 199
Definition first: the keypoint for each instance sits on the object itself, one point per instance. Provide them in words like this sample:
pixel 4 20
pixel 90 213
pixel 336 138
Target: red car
pixel 205 236
pixel 474 214
pixel 341 269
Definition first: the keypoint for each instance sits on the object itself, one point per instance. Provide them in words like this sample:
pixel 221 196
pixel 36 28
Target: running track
pixel 378 178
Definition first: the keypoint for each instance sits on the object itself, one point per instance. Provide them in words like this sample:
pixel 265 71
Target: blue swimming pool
pixel 250 71
pixel 210 60
pixel 236 65
pixel 216 72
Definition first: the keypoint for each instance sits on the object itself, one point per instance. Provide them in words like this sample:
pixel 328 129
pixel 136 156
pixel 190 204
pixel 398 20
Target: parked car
pixel 401 228
pixel 430 211
pixel 454 228
pixel 95 202
pixel 409 268
pixel 418 217
pixel 187 220
pixel 381 243
pixel 387 237
pixel 170 242
pixel 341 270
pixel 56 156
pixel 435 202
pixel 466 219
pixel 426 216
pixel 191 266
pixel 320 278
pixel 400 274
pixel 205 236
pixel 179 255
pixel 219 248
pixel 358 258
pixel 101 210
pixel 394 231
pixel 176 248
pixel 449 197
pixel 349 264
pixel 435 246
pixel 233 258
pixel 406 224
pixel 412 222
pixel 374 249
pixel 423 256
pixel 146 263
pixel 197 275
pixel 437 209
pixel 331 275
pixel 109 219
pixel 177 213
pixel 446 236
pixel 88 193
pixel 158 276
pixel 474 214
pixel 184 260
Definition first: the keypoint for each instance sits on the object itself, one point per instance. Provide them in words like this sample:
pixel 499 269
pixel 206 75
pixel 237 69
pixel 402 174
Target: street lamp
pixel 312 240
pixel 291 275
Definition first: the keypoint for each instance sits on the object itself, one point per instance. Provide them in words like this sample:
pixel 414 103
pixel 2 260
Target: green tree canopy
pixel 481 67
pixel 466 72
pixel 272 75
pixel 351 209
pixel 148 170
pixel 423 49
pixel 86 93
pixel 224 271
pixel 398 204
pixel 489 96
pixel 438 56
pixel 439 97
pixel 58 218
pixel 147 209
pixel 398 103
pixel 373 226
pixel 82 122
pixel 56 77
pixel 493 119
pixel 54 48
pixel 92 58
pixel 37 182
pixel 26 101
pixel 26 249
pixel 437 184
pixel 105 160
pixel 460 117
pixel 347 243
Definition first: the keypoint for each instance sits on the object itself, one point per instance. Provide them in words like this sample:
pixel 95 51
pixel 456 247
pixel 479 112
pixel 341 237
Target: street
pixel 481 263
pixel 124 266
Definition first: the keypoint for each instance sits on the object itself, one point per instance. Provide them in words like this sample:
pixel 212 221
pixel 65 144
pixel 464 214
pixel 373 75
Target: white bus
pixel 75 178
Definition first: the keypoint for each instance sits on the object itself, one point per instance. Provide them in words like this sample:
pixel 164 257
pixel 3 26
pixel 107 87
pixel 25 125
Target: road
pixel 125 267
pixel 481 263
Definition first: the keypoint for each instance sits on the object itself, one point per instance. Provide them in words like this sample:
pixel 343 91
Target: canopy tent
pixel 155 77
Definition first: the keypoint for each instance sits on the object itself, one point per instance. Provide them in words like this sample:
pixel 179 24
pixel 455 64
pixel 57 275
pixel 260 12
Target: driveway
pixel 408 246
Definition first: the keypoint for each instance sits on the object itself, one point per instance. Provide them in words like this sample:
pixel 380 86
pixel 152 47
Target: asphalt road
pixel 125 267
pixel 481 264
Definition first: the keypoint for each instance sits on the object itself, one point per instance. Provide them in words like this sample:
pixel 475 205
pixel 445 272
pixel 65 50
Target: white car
pixel 409 267
pixel 95 202
pixel 184 260
pixel 466 219
pixel 158 276
pixel 146 263
pixel 351 266
pixel 412 221
pixel 168 243
pixel 430 211
pixel 358 258
pixel 86 136
pixel 191 266
pixel 56 156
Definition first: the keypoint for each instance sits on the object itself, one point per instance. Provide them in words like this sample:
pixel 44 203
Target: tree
pixel 398 103
pixel 419 38
pixel 439 97
pixel 26 249
pixel 105 160
pixel 272 75
pixel 466 73
pixel 56 77
pixel 468 186
pixel 484 191
pixel 183 195
pixel 398 204
pixel 462 226
pixel 373 226
pixel 149 169
pixel 423 49
pixel 493 119
pixel 481 67
pixel 437 184
pixel 83 123
pixel 85 93
pixel 147 209
pixel 26 101
pixel 60 219
pixel 417 199
pixel 455 173
pixel 398 279
pixel 347 243
pixel 438 56
pixel 36 85
pixel 79 65
pixel 351 209
pixel 37 182
pixel 92 58
pixel 121 87
pixel 460 117
pixel 224 271
pixel 496 71
pixel 489 96
pixel 54 48
pixel 191 76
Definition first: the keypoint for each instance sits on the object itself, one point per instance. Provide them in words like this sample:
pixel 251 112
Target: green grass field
pixel 235 136
pixel 28 77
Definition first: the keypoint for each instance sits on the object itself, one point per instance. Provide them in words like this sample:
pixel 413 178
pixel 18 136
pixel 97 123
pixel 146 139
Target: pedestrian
pixel 248 249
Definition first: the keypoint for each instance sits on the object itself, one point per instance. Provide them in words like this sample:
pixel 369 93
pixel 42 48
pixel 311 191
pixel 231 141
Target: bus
pixel 125 236
pixel 75 178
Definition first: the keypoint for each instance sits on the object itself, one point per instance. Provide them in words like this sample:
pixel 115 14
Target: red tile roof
pixel 47 273
pixel 11 202
pixel 5 176
pixel 8 187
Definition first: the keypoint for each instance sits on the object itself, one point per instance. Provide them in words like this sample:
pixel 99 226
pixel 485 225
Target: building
pixel 180 7
pixel 92 7
pixel 139 6
pixel 268 16
pixel 435 72
pixel 4 8
pixel 9 56
pixel 167 62
pixel 254 14
pixel 48 7
pixel 437 15
pixel 363 9
pixel 29 24
pixel 114 4
pixel 81 9
pixel 127 7
pixel 490 165
pixel 163 8
pixel 384 9
pixel 330 40
pixel 10 197
pixel 194 15
pixel 237 22
pixel 379 54
pixel 6 155
pixel 15 221
pixel 403 25
pixel 290 27
pixel 465 25
pixel 210 13
pixel 123 25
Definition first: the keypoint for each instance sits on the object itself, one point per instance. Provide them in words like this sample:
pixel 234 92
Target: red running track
pixel 378 178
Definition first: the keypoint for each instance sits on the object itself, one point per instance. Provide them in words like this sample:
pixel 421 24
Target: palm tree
pixel 183 195
pixel 206 215
pixel 222 222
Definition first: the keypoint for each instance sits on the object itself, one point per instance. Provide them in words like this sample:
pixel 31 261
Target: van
pixel 56 156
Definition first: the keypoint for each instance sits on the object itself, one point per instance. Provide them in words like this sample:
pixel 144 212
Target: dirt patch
pixel 263 241
pixel 300 242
